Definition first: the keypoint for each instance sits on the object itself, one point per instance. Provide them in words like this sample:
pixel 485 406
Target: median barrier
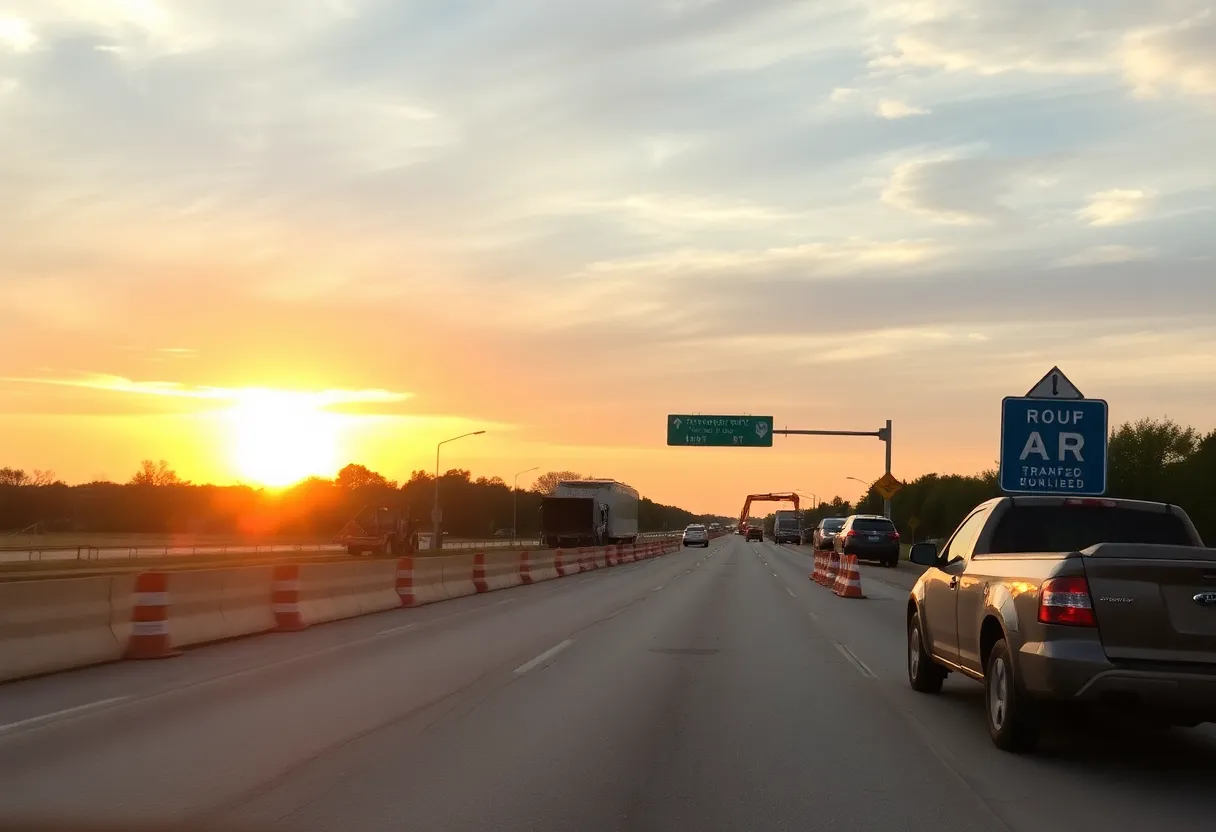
pixel 46 626
pixel 458 575
pixel 246 600
pixel 543 566
pixel 566 563
pixel 212 605
pixel 427 581
pixel 196 612
pixel 502 570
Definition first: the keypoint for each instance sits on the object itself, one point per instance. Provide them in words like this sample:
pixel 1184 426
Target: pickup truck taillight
pixel 851 533
pixel 894 535
pixel 1066 601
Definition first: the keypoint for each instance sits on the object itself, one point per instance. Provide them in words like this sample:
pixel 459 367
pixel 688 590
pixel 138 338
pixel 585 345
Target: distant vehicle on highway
pixel 589 513
pixel 696 535
pixel 505 533
pixel 1068 600
pixel 824 535
pixel 754 533
pixel 787 528
pixel 869 537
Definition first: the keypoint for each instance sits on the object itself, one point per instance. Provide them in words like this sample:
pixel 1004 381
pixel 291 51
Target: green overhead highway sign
pixel 720 431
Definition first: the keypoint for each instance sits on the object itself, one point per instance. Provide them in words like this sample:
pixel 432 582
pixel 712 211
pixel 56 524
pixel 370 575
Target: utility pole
pixel 515 503
pixel 436 514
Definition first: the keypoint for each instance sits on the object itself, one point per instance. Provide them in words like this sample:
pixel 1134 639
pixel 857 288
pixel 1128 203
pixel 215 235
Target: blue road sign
pixel 1053 446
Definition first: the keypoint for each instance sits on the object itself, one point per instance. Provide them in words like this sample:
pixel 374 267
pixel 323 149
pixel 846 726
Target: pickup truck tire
pixel 1013 717
pixel 924 674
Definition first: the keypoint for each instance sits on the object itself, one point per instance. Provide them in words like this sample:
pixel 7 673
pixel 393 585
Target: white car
pixel 696 535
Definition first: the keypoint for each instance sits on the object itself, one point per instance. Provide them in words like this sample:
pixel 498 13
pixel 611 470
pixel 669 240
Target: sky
pixel 261 239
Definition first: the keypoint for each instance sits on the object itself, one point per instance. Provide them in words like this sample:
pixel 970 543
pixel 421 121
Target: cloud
pixel 1180 57
pixel 1116 206
pixel 959 191
pixel 16 34
pixel 841 94
pixel 892 109
pixel 1105 255
pixel 172 389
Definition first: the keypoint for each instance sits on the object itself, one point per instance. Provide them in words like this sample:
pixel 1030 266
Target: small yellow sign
pixel 913 522
pixel 887 486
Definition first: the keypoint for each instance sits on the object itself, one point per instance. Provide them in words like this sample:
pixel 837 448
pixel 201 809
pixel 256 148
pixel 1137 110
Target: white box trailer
pixel 590 513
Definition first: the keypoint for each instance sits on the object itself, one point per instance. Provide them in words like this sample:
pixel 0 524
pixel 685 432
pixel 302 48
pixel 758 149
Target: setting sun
pixel 282 437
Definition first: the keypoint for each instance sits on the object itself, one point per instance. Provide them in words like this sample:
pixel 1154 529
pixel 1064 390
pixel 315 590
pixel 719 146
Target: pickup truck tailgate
pixel 1154 603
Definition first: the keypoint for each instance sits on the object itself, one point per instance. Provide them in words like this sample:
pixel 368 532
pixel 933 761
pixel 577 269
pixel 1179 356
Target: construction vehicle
pixel 778 497
pixel 589 513
pixel 379 531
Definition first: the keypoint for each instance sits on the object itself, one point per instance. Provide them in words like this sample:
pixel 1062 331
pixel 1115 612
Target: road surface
pixel 713 689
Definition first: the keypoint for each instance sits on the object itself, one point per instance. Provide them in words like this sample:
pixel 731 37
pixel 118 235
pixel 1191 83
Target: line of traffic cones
pixel 840 573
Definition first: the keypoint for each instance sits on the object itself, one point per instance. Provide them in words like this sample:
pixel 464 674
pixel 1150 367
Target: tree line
pixel 157 500
pixel 1151 459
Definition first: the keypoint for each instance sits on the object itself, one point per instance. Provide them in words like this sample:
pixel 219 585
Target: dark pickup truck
pixel 1051 600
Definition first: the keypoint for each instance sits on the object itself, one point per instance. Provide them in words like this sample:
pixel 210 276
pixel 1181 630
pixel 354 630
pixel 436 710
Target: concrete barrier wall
pixel 544 567
pixel 428 580
pixel 47 626
pixel 502 570
pixel 376 581
pixel 246 600
pixel 458 575
pixel 52 625
pixel 196 607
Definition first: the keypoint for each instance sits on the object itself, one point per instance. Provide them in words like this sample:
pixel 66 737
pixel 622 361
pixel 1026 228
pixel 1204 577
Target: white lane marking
pixel 585 580
pixel 400 629
pixel 791 592
pixel 856 662
pixel 774 574
pixel 812 615
pixel 37 720
pixel 503 601
pixel 544 657
pixel 657 588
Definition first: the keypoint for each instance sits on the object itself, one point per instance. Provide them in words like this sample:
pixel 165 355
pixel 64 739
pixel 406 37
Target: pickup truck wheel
pixel 1013 719
pixel 924 674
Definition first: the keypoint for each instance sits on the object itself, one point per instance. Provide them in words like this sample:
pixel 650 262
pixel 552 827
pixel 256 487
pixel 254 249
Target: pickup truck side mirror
pixel 923 554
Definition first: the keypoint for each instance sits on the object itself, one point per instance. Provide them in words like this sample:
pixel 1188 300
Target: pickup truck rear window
pixel 1073 528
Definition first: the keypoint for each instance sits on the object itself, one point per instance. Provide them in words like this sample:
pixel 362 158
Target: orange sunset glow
pixel 352 262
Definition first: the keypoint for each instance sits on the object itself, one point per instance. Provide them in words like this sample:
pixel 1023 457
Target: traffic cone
pixel 405 583
pixel 479 572
pixel 833 569
pixel 817 572
pixel 285 594
pixel 150 618
pixel 848 582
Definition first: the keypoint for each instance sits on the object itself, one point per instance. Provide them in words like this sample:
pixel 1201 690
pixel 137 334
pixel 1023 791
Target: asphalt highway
pixel 714 689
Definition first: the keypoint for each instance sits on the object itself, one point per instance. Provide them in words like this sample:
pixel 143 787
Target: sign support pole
pixel 883 433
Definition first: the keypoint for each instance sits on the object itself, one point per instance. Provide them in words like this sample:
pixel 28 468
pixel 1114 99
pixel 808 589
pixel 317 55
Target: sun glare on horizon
pixel 280 438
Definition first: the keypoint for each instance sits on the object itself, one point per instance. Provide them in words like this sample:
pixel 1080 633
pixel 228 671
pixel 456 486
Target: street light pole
pixel 515 502
pixel 436 540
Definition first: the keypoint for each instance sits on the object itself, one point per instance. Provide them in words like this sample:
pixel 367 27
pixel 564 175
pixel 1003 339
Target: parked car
pixel 1068 600
pixel 696 535
pixel 869 537
pixel 505 533
pixel 824 535
pixel 754 533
